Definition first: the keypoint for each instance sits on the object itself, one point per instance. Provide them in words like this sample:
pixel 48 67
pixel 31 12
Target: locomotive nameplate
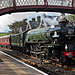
pixel 50 46
pixel 69 35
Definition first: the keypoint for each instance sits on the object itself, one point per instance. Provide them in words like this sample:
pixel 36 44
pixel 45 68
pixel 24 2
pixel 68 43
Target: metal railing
pixel 6 3
pixel 14 3
pixel 60 2
pixel 73 3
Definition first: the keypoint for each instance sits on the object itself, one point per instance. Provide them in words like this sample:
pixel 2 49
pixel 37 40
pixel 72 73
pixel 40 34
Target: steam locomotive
pixel 57 42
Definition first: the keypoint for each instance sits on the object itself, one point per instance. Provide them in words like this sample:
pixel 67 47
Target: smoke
pixel 52 21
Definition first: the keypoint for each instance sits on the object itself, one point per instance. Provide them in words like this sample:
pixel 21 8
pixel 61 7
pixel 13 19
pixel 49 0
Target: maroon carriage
pixel 5 41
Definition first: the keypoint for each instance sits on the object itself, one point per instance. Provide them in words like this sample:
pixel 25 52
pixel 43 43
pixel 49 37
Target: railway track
pixel 50 67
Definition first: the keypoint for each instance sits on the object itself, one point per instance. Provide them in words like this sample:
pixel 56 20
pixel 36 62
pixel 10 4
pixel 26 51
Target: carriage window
pixel 7 40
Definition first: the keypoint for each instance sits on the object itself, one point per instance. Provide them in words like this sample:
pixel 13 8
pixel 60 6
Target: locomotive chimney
pixel 38 19
pixel 33 19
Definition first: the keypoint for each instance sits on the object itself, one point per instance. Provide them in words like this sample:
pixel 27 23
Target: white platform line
pixel 25 64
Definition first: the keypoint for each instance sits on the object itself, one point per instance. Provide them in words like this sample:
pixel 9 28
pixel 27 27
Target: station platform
pixel 12 66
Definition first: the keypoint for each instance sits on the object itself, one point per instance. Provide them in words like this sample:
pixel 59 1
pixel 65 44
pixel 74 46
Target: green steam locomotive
pixel 57 42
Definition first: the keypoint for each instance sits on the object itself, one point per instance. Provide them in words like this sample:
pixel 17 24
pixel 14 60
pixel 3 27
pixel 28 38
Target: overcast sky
pixel 7 19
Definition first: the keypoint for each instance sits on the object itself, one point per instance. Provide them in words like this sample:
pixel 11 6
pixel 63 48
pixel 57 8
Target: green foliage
pixel 3 34
pixel 71 17
pixel 37 37
pixel 16 26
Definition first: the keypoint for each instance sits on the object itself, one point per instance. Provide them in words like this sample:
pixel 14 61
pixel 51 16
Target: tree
pixel 16 26
pixel 71 17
